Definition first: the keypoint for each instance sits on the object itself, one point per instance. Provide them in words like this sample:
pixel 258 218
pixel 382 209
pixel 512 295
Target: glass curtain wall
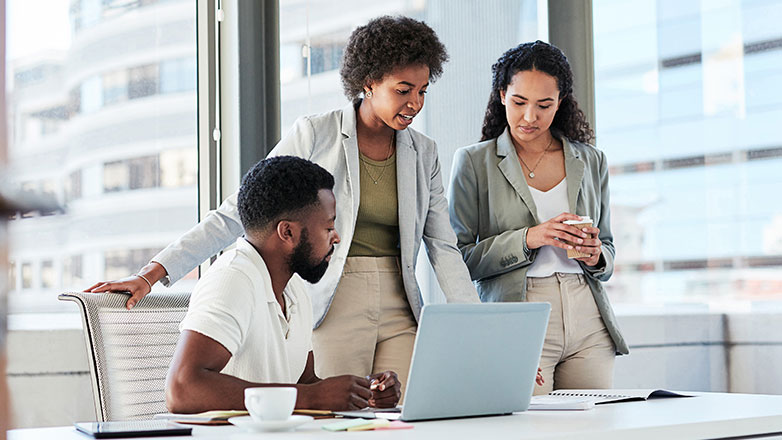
pixel 101 116
pixel 688 108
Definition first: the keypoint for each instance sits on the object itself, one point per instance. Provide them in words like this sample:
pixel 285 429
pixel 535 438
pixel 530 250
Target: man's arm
pixel 195 384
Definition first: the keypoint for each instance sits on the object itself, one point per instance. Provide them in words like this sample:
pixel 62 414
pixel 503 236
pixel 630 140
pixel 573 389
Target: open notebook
pixel 587 399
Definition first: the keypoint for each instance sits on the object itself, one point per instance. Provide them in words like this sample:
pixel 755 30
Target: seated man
pixel 249 323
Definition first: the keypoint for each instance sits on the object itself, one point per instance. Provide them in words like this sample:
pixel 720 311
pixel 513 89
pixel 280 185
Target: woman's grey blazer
pixel 329 140
pixel 492 208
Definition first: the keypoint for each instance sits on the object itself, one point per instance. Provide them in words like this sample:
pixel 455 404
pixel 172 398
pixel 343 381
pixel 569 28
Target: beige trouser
pixel 578 351
pixel 369 327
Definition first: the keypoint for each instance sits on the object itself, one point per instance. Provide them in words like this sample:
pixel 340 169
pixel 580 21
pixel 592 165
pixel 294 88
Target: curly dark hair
pixel 384 45
pixel 569 120
pixel 279 187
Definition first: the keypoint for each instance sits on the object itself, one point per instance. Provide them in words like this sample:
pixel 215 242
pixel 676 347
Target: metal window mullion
pixel 570 29
pixel 208 108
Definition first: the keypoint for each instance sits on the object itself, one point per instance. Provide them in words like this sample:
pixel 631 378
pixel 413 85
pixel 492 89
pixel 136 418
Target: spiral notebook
pixel 562 398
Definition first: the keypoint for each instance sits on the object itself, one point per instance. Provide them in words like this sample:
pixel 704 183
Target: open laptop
pixel 474 360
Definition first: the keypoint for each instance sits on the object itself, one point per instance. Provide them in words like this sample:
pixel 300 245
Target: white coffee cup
pixel 270 403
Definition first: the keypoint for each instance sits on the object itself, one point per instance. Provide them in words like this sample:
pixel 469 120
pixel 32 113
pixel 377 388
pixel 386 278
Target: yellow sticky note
pixel 376 423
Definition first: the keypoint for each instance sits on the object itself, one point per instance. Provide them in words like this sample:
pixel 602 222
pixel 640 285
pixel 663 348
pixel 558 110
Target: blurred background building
pixel 107 124
pixel 687 104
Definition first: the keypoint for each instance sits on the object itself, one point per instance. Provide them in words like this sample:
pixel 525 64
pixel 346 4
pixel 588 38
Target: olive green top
pixel 377 224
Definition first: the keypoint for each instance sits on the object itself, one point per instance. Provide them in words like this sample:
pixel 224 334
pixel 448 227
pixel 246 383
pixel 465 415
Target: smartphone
pixel 134 428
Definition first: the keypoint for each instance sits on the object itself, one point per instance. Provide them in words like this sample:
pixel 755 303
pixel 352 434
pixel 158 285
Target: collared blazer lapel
pixel 406 185
pixel 574 173
pixel 350 146
pixel 511 168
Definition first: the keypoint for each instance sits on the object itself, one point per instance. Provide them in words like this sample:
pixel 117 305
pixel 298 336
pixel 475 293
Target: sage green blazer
pixel 491 209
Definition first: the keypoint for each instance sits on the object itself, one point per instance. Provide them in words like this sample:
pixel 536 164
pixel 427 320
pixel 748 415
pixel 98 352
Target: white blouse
pixel 551 259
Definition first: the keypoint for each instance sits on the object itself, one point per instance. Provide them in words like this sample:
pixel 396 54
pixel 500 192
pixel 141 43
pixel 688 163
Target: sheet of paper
pixel 561 403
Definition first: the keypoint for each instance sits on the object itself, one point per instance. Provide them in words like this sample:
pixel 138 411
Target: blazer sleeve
pixel 604 268
pixel 485 256
pixel 220 228
pixel 452 274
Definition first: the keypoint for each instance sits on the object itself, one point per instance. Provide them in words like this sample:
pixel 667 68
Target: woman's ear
pixel 559 102
pixel 502 97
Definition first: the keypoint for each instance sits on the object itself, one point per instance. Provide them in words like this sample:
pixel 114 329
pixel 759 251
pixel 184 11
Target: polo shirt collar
pixel 245 246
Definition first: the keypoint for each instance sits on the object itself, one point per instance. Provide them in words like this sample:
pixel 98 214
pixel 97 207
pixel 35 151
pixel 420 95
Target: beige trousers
pixel 578 351
pixel 369 327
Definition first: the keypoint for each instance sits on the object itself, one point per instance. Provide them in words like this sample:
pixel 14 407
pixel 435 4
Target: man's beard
pixel 300 261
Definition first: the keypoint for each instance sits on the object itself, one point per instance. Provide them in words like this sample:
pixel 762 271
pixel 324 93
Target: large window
pixel 455 104
pixel 688 108
pixel 102 115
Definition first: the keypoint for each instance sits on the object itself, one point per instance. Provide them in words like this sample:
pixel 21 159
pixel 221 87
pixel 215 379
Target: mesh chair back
pixel 129 350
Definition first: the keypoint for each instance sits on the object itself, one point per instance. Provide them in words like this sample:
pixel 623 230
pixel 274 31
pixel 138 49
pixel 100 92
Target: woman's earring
pixel 368 93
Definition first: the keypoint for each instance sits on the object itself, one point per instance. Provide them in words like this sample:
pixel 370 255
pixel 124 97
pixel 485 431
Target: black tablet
pixel 135 428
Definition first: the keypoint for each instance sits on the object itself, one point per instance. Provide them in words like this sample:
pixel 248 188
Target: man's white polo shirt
pixel 234 304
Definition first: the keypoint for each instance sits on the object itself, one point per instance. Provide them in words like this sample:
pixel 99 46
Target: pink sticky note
pixel 396 424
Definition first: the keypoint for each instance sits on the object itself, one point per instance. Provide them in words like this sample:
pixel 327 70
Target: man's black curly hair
pixel 386 44
pixel 280 188
pixel 569 120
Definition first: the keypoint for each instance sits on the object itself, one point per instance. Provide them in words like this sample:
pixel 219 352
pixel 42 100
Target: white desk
pixel 709 415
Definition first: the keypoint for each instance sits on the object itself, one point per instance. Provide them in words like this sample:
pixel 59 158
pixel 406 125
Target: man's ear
pixel 288 232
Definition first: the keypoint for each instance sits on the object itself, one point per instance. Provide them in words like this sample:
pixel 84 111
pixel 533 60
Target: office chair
pixel 129 350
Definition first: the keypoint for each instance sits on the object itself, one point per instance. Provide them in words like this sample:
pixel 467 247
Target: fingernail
pixel 382 387
pixel 580 240
pixel 584 235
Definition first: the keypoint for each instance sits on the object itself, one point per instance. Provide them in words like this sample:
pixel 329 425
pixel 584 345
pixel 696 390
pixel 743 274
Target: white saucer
pixel 247 422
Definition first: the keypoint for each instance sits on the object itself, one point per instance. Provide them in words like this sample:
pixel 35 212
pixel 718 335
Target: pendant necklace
pixel 385 163
pixel 532 170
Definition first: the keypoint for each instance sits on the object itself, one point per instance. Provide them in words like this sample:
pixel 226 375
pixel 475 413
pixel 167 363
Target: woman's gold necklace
pixel 385 162
pixel 532 170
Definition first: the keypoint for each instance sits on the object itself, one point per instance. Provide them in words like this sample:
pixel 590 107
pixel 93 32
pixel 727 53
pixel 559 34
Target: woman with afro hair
pixel 513 196
pixel 390 198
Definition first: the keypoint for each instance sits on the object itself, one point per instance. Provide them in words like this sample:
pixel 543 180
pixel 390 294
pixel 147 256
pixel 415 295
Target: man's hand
pixel 336 393
pixel 386 390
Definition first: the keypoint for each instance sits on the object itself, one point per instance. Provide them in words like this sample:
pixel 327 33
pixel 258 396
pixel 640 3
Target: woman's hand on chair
pixel 136 285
